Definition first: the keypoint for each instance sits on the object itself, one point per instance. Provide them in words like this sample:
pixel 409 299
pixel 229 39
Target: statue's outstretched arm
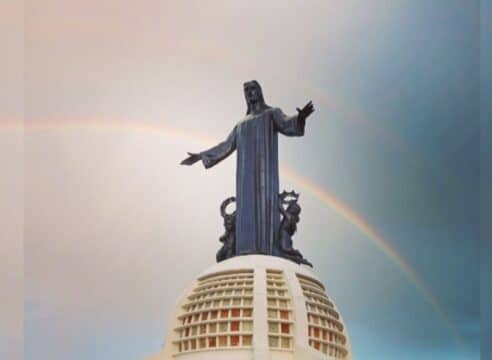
pixel 215 154
pixel 190 160
pixel 307 110
pixel 292 125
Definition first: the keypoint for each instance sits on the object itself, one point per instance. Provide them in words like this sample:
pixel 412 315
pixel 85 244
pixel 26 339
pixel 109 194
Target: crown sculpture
pixel 261 300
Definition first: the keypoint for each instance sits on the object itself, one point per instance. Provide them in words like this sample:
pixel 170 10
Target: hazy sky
pixel 117 92
pixel 486 176
pixel 11 181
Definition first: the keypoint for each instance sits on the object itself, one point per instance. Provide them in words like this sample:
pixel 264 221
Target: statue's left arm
pixel 292 125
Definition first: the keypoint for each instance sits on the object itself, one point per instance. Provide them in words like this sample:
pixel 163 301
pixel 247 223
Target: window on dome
pixel 235 326
pixel 235 340
pixel 247 340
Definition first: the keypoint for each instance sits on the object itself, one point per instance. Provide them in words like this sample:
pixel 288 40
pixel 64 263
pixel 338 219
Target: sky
pixel 113 95
pixel 485 177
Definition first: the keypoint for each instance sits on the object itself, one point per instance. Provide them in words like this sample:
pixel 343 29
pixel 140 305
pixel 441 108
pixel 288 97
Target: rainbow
pixel 377 240
pixel 316 190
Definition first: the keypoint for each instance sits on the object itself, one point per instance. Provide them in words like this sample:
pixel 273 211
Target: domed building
pixel 256 307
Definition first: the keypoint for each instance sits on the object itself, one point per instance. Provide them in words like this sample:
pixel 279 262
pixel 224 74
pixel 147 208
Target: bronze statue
pixel 288 227
pixel 255 138
pixel 228 240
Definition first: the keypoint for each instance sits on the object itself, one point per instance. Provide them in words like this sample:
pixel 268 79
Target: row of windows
pixel 278 314
pixel 212 342
pixel 216 314
pixel 221 303
pixel 208 295
pixel 225 281
pixel 322 309
pixel 327 335
pixel 279 342
pixel 213 328
pixel 276 292
pixel 278 303
pixel 226 285
pixel 328 349
pixel 324 322
pixel 319 300
pixel 227 275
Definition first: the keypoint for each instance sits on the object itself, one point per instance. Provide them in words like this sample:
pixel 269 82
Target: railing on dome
pixel 218 313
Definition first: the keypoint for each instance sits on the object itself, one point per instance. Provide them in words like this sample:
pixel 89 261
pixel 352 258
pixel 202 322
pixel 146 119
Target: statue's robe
pixel 257 181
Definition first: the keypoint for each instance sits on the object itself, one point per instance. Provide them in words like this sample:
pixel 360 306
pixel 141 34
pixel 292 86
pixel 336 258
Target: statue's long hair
pixel 262 100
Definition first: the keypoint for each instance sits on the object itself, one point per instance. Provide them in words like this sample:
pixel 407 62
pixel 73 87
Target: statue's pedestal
pixel 256 307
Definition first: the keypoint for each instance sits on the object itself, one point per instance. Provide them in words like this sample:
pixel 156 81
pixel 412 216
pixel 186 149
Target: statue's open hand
pixel 307 110
pixel 190 160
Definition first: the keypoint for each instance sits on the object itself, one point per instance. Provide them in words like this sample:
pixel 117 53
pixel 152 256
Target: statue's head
pixel 253 95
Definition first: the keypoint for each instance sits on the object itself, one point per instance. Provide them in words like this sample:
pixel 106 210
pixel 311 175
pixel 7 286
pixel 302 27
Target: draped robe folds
pixel 257 181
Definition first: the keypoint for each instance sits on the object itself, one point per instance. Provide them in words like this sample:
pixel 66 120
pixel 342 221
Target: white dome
pixel 256 307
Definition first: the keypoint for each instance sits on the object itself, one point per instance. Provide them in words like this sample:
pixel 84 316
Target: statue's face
pixel 252 92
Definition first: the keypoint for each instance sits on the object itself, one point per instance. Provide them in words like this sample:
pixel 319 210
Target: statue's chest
pixel 256 123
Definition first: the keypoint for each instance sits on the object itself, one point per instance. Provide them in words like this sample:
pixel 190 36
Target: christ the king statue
pixel 255 138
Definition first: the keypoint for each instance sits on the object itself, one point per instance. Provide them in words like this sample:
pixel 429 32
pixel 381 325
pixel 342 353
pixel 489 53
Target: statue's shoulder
pixel 275 110
pixel 244 119
pixel 272 109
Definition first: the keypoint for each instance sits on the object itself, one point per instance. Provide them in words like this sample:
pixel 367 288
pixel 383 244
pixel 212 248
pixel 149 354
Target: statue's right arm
pixel 191 159
pixel 219 152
